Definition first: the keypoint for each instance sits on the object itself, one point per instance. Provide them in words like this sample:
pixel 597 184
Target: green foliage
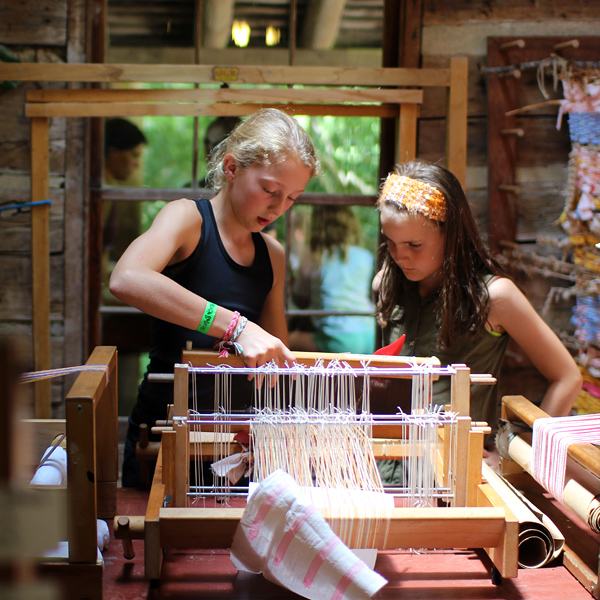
pixel 348 148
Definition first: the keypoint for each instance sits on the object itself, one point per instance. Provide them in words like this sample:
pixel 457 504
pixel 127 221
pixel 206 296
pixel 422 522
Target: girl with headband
pixel 440 287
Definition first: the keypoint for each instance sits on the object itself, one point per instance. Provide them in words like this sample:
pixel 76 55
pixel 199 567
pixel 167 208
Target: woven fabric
pixel 284 537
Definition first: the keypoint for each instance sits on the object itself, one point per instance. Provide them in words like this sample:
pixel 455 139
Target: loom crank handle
pixel 127 529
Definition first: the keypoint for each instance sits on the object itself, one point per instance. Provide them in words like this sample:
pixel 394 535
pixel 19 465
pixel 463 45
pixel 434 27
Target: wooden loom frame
pixel 479 518
pixel 92 472
pixel 341 92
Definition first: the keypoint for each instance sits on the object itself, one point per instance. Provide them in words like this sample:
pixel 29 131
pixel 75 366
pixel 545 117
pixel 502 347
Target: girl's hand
pixel 260 347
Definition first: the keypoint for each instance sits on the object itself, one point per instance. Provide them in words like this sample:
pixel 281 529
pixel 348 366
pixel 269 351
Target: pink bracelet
pixel 230 330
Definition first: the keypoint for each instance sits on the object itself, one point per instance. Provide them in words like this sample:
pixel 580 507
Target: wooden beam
pixel 274 75
pixel 321 25
pixel 456 125
pixel 114 109
pixel 313 95
pixel 217 21
pixel 40 262
pixel 410 528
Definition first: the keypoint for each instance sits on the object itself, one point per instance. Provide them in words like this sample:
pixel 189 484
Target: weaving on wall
pixel 581 221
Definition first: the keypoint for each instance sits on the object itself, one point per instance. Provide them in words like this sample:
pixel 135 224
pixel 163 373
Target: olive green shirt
pixel 482 353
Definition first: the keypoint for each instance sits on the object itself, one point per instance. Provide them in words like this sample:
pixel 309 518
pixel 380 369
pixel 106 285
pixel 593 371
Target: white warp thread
pixel 550 442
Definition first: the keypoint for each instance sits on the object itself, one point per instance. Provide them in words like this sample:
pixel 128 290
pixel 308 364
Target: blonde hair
pixel 265 137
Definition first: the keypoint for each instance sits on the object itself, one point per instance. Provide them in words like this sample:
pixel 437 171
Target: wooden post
pixel 40 262
pixel 456 126
pixel 406 145
pixel 461 456
pixel 460 392
pixel 81 479
pixel 182 444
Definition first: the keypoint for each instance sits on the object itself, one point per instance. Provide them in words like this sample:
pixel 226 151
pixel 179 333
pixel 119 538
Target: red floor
pixel 442 575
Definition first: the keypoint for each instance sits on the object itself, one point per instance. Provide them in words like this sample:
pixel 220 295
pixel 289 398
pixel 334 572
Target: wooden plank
pixel 107 410
pixel 456 120
pixel 459 12
pixel 152 545
pixel 40 263
pixel 31 23
pixel 81 473
pixel 199 358
pixel 504 554
pixel 276 75
pixel 113 109
pixel 182 461
pixel 460 394
pixel 475 458
pixel 312 95
pixel 406 144
pixel 461 461
pixel 410 527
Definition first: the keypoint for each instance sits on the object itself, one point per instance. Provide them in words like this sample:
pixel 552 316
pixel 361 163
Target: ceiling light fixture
pixel 272 36
pixel 240 32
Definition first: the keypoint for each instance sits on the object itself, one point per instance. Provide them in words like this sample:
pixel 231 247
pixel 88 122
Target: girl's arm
pixel 137 280
pixel 512 312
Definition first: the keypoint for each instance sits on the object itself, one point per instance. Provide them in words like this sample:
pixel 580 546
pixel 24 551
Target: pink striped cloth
pixel 284 537
pixel 550 442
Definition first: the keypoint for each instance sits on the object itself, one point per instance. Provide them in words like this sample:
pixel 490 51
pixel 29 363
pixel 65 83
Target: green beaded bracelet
pixel 207 318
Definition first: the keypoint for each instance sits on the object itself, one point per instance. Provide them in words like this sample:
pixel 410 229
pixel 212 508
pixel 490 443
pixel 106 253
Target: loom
pixel 469 513
pixel 579 492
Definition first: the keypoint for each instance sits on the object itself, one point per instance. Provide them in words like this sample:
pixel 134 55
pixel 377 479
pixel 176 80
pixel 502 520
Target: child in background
pixel 440 286
pixel 205 271
pixel 335 274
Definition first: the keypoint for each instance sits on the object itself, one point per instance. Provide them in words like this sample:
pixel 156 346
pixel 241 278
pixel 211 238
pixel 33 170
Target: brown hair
pixel 333 228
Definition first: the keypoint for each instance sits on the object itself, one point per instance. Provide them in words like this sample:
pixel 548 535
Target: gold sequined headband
pixel 414 196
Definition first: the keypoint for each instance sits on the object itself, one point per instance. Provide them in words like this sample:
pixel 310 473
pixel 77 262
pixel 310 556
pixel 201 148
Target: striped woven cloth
pixel 284 537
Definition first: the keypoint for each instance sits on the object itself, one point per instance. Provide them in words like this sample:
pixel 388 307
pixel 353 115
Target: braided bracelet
pixel 229 339
pixel 240 327
pixel 231 328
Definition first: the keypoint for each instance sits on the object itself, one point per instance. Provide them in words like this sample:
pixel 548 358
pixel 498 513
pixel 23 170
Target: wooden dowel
pixel 512 44
pixel 122 523
pixel 509 187
pixel 509 132
pixel 568 44
pixel 516 73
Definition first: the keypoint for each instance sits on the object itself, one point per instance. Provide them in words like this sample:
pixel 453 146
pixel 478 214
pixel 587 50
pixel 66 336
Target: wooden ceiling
pixel 318 24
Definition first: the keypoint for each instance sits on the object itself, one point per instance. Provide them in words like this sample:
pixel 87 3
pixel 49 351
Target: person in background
pixel 124 143
pixel 441 288
pixel 217 131
pixel 335 274
pixel 207 273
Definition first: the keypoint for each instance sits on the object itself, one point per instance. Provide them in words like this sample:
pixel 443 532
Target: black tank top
pixel 211 273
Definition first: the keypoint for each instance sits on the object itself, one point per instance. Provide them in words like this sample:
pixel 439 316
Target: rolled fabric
pixel 284 537
pixel 540 541
pixel 103 535
pixel 53 470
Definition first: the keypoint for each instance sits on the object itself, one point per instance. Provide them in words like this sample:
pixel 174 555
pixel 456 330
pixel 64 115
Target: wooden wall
pixel 44 32
pixel 463 27
pixel 56 32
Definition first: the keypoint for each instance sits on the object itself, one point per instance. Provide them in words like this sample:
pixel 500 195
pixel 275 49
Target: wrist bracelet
pixel 207 318
pixel 238 330
pixel 234 321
